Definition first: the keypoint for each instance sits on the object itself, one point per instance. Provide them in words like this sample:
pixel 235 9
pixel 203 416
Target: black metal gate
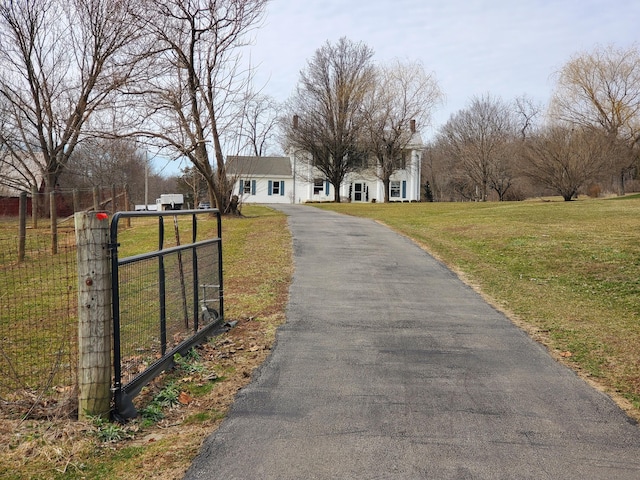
pixel 164 301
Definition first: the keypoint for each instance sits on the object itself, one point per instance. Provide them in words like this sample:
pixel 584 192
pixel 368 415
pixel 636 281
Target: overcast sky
pixel 506 48
pixel 503 47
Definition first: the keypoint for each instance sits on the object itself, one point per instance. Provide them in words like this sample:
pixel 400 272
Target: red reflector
pixel 102 216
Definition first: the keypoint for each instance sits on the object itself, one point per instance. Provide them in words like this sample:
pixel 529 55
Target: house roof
pixel 258 166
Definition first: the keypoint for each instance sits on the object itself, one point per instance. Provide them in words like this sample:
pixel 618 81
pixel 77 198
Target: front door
pixel 359 192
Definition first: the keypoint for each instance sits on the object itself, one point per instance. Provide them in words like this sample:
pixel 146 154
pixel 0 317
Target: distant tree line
pixel 586 141
pixel 349 114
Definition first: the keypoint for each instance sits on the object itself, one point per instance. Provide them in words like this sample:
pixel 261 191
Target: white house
pixel 262 179
pixel 292 180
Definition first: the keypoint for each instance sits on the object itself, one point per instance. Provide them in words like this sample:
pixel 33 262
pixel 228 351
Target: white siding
pixel 265 190
pixel 299 188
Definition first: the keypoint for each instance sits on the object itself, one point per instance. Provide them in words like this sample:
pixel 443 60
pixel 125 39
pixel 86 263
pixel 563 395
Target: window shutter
pixel 270 188
pixel 404 189
pixel 282 188
pixel 240 185
pixel 326 187
pixel 253 187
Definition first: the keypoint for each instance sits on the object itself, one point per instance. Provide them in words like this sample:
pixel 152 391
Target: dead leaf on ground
pixel 184 398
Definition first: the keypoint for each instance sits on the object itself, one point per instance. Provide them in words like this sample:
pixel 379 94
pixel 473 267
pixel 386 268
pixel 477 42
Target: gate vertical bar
pixel 221 290
pixel 162 288
pixel 115 301
pixel 196 276
pixel 94 314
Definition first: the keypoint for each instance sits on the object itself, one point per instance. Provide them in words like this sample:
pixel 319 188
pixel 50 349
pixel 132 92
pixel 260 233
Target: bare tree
pixel 480 138
pixel 192 182
pixel 527 112
pixel 438 172
pixel 601 90
pixel 60 63
pixel 502 172
pixel 259 123
pixel 402 96
pixel 198 86
pixel 327 107
pixel 564 159
pixel 101 162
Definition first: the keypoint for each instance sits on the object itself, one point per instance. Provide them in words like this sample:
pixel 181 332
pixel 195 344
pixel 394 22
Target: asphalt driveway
pixel 390 367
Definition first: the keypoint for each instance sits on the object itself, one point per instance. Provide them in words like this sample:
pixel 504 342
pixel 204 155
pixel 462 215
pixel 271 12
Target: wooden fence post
pixel 53 215
pixel 34 207
pixel 127 204
pixel 94 314
pixel 22 226
pixel 114 202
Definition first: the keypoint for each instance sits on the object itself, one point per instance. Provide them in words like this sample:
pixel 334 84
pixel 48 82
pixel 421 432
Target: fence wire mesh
pixel 143 338
pixel 38 324
pixel 39 311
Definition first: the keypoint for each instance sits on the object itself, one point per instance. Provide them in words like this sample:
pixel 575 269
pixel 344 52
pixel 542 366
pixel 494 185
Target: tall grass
pixel 569 272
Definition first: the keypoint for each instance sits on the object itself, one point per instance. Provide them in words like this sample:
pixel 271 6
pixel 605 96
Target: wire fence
pixel 39 302
pixel 38 325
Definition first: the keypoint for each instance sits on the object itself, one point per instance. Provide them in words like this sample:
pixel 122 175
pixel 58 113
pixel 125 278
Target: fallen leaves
pixel 184 398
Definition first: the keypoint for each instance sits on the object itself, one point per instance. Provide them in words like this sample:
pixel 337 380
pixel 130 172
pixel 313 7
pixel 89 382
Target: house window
pixel 318 186
pixel 275 187
pixel 403 160
pixel 247 187
pixel 394 189
pixel 359 160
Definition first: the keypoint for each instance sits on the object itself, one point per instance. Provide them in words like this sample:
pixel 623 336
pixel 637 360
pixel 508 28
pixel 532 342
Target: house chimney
pixel 295 122
pixel 412 126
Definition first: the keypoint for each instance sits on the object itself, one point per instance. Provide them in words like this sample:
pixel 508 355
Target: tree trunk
pixel 233 206
pixel 336 192
pixel 214 197
pixel 386 182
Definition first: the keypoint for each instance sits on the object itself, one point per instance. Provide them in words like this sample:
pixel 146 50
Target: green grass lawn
pixel 568 272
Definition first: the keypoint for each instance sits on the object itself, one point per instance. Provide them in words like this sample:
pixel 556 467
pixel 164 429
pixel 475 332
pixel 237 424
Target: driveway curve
pixel 390 367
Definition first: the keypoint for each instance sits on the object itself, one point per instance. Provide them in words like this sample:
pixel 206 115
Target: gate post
pixel 94 314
